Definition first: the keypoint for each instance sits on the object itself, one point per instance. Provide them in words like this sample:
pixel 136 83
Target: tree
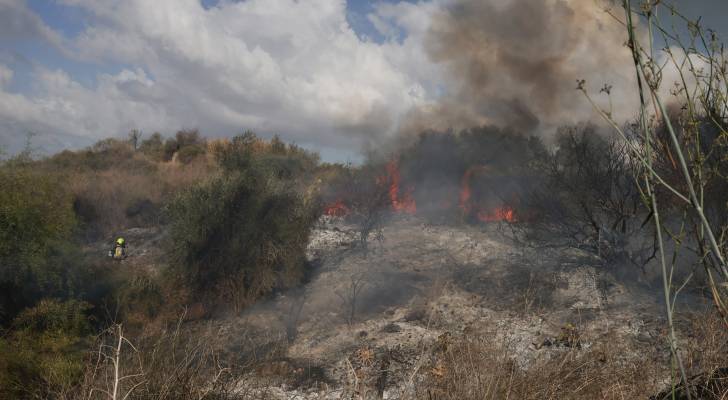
pixel 153 147
pixel 586 199
pixel 365 192
pixel 135 136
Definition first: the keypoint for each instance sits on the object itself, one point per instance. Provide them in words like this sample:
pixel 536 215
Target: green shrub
pixel 139 299
pixel 43 356
pixel 187 154
pixel 37 253
pixel 237 237
pixel 108 154
pixel 153 147
pixel 182 139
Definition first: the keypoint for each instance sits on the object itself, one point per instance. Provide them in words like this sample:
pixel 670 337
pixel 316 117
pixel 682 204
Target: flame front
pixel 336 209
pixel 406 203
pixel 504 213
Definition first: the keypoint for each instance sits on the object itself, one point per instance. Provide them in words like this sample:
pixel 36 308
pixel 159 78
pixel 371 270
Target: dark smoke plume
pixel 514 63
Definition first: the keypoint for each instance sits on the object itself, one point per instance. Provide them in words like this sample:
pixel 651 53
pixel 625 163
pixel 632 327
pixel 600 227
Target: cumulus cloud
pixel 297 68
pixel 292 67
pixel 6 74
pixel 17 22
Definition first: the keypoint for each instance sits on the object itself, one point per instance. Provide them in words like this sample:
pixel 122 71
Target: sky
pixel 335 76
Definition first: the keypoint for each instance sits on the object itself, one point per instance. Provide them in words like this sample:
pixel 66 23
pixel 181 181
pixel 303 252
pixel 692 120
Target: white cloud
pixel 6 75
pixel 277 66
pixel 293 67
pixel 18 22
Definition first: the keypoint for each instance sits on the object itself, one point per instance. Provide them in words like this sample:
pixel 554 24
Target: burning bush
pixel 476 175
pixel 365 196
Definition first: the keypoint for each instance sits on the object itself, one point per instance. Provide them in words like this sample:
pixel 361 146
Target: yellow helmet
pixel 120 241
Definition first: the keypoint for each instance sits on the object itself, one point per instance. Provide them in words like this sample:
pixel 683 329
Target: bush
pixel 140 298
pixel 43 357
pixel 237 237
pixel 282 161
pixel 37 252
pixel 184 139
pixel 362 195
pixel 110 201
pixel 587 198
pixel 188 153
pixel 153 147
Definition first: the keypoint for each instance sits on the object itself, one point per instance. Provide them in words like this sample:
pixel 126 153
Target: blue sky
pixel 25 52
pixel 70 21
pixel 335 76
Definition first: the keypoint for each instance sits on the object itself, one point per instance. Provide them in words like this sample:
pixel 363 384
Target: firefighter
pixel 119 251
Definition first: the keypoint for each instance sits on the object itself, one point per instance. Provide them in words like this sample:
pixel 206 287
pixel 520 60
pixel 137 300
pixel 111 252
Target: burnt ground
pixel 421 286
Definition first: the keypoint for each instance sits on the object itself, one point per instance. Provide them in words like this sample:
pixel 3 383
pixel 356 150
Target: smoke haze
pixel 516 63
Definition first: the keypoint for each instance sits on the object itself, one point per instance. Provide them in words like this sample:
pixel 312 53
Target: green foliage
pixel 188 142
pixel 36 244
pixel 51 315
pixel 153 147
pixel 35 211
pixel 107 154
pixel 239 236
pixel 281 160
pixel 42 357
pixel 188 153
pixel 139 298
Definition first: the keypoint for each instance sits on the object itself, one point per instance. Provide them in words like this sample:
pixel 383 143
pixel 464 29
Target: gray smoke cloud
pixel 515 63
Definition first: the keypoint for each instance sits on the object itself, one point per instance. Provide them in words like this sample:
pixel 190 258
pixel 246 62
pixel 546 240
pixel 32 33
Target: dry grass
pixel 481 367
pixel 116 199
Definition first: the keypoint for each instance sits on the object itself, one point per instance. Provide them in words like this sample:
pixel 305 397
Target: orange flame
pixel 336 209
pixel 504 213
pixel 406 203
pixel 465 192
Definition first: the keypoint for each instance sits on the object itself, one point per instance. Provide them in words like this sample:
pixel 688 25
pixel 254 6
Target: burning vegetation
pixel 454 186
pixel 505 264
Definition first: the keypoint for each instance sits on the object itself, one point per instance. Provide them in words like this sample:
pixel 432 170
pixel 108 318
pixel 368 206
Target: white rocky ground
pixel 420 286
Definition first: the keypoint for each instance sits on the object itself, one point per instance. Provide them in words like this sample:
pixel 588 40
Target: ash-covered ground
pixel 418 288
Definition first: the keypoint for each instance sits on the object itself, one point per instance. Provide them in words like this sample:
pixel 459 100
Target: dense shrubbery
pixel 587 198
pixel 41 357
pixel 37 253
pixel 239 236
pixel 240 217
pixel 115 186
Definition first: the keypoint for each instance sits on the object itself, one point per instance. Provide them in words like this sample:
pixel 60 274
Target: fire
pixel 465 192
pixel 406 203
pixel 504 213
pixel 336 209
pixel 403 201
pixel 499 214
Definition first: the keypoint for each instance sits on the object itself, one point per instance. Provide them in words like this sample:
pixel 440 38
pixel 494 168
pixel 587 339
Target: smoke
pixel 515 63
